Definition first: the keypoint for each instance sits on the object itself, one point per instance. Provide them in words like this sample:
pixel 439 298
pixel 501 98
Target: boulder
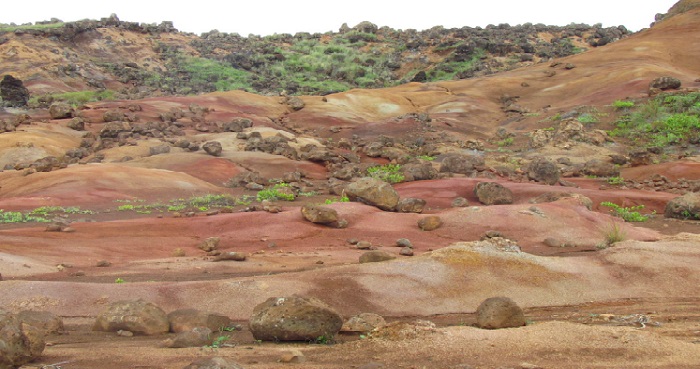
pixel 499 312
pixel 419 172
pixel 294 318
pixel 20 342
pixel 665 83
pixel 76 124
pixel 376 256
pixel 320 214
pixel 184 320
pixel 213 148
pixel 13 92
pixel 461 163
pixel 375 192
pixel 430 223
pixel 410 205
pixel 212 363
pixel 684 207
pixel 460 202
pixel 113 115
pixel 295 103
pixel 492 193
pixel 544 170
pixel 363 323
pixel 197 337
pixel 60 110
pixel 136 316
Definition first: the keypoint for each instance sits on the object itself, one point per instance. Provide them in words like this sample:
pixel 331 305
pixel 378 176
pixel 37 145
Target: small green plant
pixel 229 328
pixel 340 199
pixel 587 118
pixel 388 172
pixel 19 217
pixel 622 104
pixel 628 214
pixel 324 340
pixel 218 342
pixel 688 215
pixel 617 180
pixel 275 193
pixel 505 142
pixel 426 157
pixel 119 281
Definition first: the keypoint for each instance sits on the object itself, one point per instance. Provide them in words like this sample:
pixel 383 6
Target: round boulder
pixel 294 319
pixel 20 342
pixel 135 316
pixel 430 223
pixel 375 192
pixel 499 312
pixel 544 170
pixel 319 214
pixel 665 83
pixel 492 193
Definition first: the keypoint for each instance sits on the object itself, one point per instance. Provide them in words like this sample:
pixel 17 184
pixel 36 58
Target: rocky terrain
pixel 538 215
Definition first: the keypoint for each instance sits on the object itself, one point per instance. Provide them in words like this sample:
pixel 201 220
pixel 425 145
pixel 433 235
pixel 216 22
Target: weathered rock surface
pixel 60 111
pixel 365 322
pixel 499 312
pixel 43 320
pixel 461 163
pixel 213 148
pixel 665 83
pixel 20 342
pixel 410 205
pixel 430 223
pixel 294 318
pixel 375 192
pixel 492 193
pixel 544 170
pixel 185 320
pixel 319 214
pixel 13 92
pixel 137 316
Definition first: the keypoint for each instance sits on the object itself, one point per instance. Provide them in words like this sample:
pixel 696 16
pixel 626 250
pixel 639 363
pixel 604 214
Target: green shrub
pixel 388 172
pixel 616 180
pixel 274 193
pixel 621 104
pixel 587 118
pixel 628 214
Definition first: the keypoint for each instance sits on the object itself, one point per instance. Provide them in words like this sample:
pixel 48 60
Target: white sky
pixel 291 16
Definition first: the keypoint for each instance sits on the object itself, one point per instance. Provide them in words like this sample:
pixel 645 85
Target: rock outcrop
pixel 294 318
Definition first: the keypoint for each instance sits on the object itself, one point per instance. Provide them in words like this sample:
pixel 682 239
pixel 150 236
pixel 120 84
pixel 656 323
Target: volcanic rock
pixel 544 170
pixel 213 148
pixel 430 223
pixel 60 110
pixel 492 193
pixel 185 320
pixel 684 207
pixel 365 322
pixel 13 92
pixel 461 163
pixel 319 214
pixel 294 318
pixel 375 192
pixel 136 316
pixel 410 205
pixel 665 83
pixel 42 320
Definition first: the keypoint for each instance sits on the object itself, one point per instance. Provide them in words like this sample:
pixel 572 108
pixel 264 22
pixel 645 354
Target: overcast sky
pixel 290 16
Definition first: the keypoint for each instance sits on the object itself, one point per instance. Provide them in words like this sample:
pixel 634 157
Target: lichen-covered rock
pixel 294 318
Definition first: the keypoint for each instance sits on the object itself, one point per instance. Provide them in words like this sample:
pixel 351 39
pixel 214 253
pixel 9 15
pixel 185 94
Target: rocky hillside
pixel 136 60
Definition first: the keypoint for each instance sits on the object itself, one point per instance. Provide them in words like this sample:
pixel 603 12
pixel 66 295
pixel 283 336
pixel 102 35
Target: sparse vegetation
pixel 275 192
pixel 73 98
pixel 616 181
pixel 388 172
pixel 611 235
pixel 667 119
pixel 628 214
pixel 622 104
pixel 339 199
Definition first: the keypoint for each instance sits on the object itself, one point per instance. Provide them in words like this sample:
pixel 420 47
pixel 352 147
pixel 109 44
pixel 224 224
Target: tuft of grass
pixel 622 104
pixel 617 180
pixel 275 193
pixel 612 234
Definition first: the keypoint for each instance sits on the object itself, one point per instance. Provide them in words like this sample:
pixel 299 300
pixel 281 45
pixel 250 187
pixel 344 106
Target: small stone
pixel 375 256
pixel 353 241
pixel 404 242
pixel 406 251
pixel 103 264
pixel 121 333
pixel 293 356
pixel 210 244
pixel 430 223
pixel 460 202
pixel 178 252
pixel 79 273
pixel 493 234
pixel 363 245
